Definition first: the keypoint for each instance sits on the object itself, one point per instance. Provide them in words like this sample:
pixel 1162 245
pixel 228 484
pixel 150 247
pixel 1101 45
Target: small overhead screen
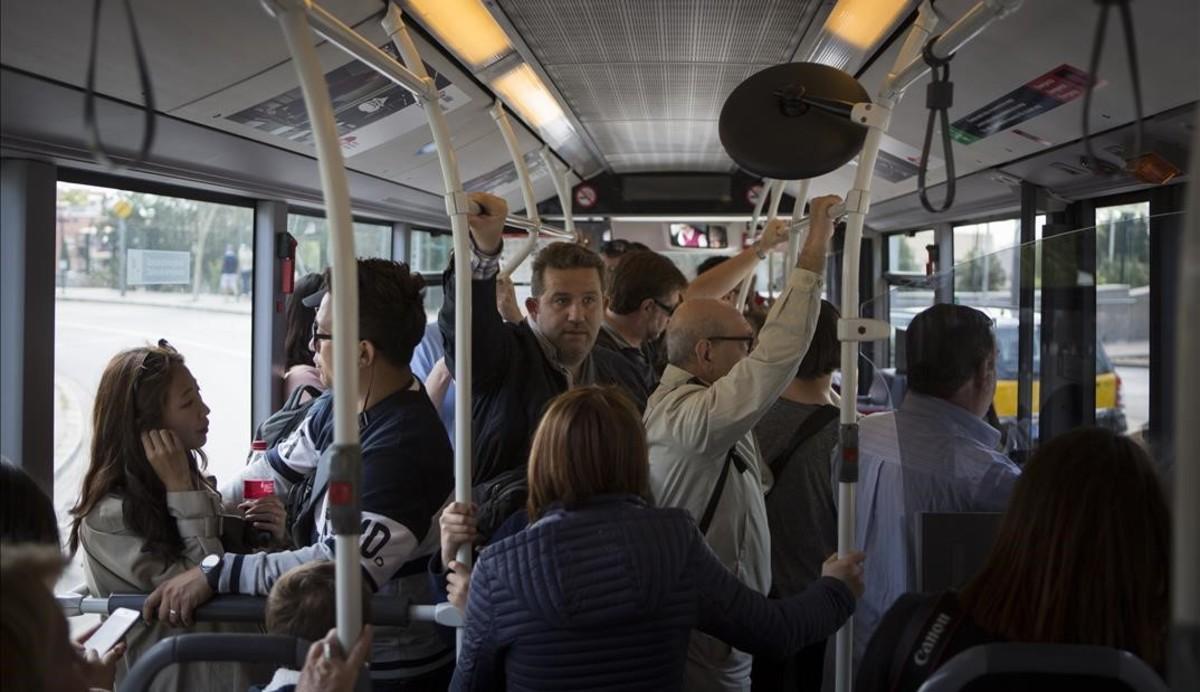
pixel 676 188
pixel 698 235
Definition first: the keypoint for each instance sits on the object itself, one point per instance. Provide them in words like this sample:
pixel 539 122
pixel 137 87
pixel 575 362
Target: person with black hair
pixel 407 472
pixel 644 290
pixel 797 437
pixel 26 514
pixel 299 369
pixel 935 453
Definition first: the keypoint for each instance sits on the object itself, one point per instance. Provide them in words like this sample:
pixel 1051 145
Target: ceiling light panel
pixel 465 27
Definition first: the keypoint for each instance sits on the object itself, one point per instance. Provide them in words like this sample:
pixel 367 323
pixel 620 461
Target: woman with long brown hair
pixel 146 512
pixel 1081 557
pixel 603 589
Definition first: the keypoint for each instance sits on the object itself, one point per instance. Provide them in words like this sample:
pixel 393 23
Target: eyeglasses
pixel 317 337
pixel 669 309
pixel 747 341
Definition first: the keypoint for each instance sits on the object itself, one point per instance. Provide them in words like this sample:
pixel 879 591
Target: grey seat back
pixel 1049 659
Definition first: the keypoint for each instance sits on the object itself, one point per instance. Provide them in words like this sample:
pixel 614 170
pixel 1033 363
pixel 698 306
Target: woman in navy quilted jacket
pixel 602 589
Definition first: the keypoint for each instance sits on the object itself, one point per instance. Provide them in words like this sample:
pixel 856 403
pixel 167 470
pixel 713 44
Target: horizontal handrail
pixel 351 42
pixel 395 611
pixel 272 650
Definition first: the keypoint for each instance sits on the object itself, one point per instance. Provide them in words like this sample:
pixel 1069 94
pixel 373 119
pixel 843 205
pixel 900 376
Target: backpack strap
pixel 926 638
pixel 732 458
pixel 815 423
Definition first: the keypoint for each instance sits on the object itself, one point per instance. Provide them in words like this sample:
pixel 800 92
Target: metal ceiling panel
pixel 647 78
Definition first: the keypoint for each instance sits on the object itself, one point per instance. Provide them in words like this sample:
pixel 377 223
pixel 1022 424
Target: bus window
pixel 906 252
pixel 186 277
pixel 312 241
pixel 430 251
pixel 1123 312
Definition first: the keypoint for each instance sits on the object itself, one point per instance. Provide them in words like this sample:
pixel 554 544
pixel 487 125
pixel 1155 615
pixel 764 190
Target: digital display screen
pixel 698 235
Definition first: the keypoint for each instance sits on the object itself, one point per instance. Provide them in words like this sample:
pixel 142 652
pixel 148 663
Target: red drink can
pixel 254 489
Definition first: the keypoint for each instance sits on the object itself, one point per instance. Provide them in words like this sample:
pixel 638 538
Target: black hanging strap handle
pixel 939 96
pixel 89 96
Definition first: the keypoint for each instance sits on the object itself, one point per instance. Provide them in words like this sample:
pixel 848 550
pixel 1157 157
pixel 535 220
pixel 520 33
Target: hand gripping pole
pixel 531 212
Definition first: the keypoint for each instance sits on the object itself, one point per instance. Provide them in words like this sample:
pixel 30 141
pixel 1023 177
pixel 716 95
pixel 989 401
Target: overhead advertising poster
pixel 158 267
pixel 370 109
pixel 1061 85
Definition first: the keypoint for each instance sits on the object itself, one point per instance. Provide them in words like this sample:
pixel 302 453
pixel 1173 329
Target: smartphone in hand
pixel 112 631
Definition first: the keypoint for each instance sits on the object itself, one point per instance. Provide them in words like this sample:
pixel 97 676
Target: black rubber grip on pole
pixel 849 450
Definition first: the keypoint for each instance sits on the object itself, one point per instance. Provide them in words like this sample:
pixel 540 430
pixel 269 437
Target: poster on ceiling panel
pixel 1061 85
pixel 370 109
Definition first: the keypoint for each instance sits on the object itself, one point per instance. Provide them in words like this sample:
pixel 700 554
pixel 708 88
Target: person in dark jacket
pixel 1081 557
pixel 644 290
pixel 518 368
pixel 603 589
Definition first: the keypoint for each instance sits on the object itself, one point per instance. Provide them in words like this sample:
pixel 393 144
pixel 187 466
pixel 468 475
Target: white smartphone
pixel 112 631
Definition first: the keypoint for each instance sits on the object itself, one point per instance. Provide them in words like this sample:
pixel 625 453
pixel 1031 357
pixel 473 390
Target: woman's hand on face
pixel 169 459
pixel 266 514
pixel 458 528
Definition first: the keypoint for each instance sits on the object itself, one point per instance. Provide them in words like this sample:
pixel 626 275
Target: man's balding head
pixel 707 338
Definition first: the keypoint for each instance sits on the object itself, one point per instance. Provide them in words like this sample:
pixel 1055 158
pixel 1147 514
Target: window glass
pixel 186 277
pixel 1123 315
pixel 430 252
pixel 907 253
pixel 312 241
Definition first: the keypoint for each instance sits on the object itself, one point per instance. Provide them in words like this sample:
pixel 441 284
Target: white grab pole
pixel 347 455
pixel 798 233
pixel 457 206
pixel 531 212
pixel 752 230
pixel 559 176
pixel 877 116
pixel 780 185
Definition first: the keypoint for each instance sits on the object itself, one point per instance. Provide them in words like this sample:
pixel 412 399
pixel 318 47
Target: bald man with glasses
pixel 700 421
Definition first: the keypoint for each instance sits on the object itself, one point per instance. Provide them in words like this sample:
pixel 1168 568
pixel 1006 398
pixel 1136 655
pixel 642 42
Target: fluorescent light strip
pixel 465 27
pixel 525 93
pixel 862 23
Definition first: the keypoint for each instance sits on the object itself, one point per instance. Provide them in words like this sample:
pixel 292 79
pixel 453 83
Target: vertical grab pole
pixel 457 206
pixel 559 176
pixel 767 185
pixel 346 463
pixel 531 212
pixel 795 236
pixel 771 214
pixel 877 115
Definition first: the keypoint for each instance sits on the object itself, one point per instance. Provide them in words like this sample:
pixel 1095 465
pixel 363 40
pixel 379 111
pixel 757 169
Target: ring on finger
pixel 327 654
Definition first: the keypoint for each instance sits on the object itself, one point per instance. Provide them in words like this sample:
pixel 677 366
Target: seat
pixel 1047 659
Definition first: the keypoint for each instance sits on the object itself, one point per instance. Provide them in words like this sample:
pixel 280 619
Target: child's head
pixel 303 602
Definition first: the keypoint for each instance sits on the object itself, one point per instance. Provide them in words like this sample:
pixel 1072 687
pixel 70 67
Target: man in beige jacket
pixel 699 426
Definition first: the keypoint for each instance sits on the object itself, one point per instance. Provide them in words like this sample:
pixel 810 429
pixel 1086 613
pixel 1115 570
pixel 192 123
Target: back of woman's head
pixel 299 321
pixel 1082 553
pixel 590 442
pixel 131 399
pixel 35 653
pixel 26 514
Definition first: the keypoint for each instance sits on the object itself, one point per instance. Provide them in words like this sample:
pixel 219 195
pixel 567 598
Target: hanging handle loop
pixel 939 96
